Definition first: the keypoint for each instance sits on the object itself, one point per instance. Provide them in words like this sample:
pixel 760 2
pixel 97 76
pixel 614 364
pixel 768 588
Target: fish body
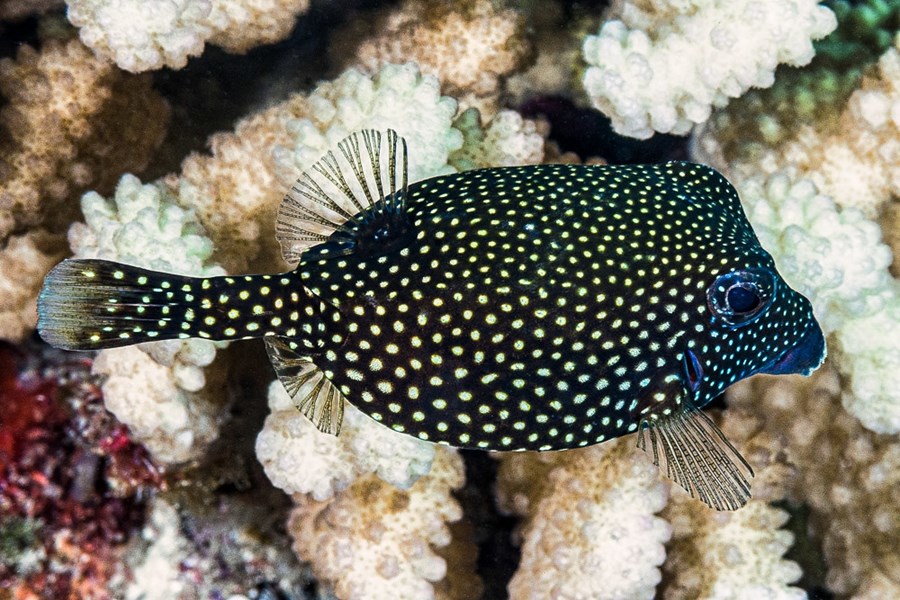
pixel 523 308
pixel 551 306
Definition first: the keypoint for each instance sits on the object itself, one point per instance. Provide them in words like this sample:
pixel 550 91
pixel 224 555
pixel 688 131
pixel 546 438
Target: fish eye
pixel 743 297
pixel 740 297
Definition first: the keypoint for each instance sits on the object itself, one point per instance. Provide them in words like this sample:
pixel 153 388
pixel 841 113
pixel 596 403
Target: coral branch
pixel 140 36
pixel 591 529
pixel 662 66
pixel 374 541
pixel 155 392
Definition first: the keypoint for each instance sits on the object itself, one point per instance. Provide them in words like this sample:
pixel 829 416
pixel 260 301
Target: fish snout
pixel 805 357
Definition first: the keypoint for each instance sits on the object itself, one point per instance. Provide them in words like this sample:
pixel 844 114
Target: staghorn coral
pixel 591 529
pixel 374 541
pixel 170 411
pixel 662 66
pixel 300 459
pixel 470 46
pixel 140 36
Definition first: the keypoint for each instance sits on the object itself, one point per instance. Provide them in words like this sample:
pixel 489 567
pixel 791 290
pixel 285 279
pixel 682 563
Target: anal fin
pixel 691 450
pixel 314 395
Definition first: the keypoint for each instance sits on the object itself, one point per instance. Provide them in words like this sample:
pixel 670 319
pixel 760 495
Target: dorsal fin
pixel 691 450
pixel 313 394
pixel 362 185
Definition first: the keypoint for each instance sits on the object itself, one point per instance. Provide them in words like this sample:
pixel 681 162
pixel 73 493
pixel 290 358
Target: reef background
pixel 167 137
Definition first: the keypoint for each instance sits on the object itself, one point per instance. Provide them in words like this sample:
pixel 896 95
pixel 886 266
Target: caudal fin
pixel 93 304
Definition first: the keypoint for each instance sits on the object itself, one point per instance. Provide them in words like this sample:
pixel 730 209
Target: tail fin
pixel 93 304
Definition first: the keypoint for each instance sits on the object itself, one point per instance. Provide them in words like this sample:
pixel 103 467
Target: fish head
pixel 749 319
pixel 757 323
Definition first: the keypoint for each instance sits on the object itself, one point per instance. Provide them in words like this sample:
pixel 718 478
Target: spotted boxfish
pixel 541 307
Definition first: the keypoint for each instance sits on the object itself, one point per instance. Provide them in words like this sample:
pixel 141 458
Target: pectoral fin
pixel 691 450
pixel 314 395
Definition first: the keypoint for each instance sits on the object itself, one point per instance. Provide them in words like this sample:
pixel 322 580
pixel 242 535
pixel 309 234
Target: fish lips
pixel 805 357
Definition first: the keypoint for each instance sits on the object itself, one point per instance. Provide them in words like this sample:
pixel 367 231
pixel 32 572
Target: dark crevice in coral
pixel 216 88
pixel 15 34
pixel 588 133
pixel 806 552
pixel 498 558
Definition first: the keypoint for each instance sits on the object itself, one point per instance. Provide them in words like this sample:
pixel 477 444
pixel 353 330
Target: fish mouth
pixel 804 357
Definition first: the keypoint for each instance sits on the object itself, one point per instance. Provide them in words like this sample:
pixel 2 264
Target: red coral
pixel 70 471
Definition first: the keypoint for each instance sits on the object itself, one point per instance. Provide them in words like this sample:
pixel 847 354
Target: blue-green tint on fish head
pixel 524 308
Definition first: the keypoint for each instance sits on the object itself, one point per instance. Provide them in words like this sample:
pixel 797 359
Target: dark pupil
pixel 742 299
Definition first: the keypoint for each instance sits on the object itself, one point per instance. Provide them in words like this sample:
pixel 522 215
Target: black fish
pixel 522 308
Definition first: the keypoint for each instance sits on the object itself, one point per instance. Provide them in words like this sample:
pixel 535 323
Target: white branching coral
pixel 400 98
pixel 507 140
pixel 299 458
pixel 159 392
pixel 726 555
pixel 662 66
pixel 397 97
pixel 836 258
pixel 138 35
pixel 71 121
pixel 236 191
pixel 470 46
pixel 374 541
pixel 591 529
pixel 852 155
pixel 858 161
pixel 848 476
pixel 717 555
